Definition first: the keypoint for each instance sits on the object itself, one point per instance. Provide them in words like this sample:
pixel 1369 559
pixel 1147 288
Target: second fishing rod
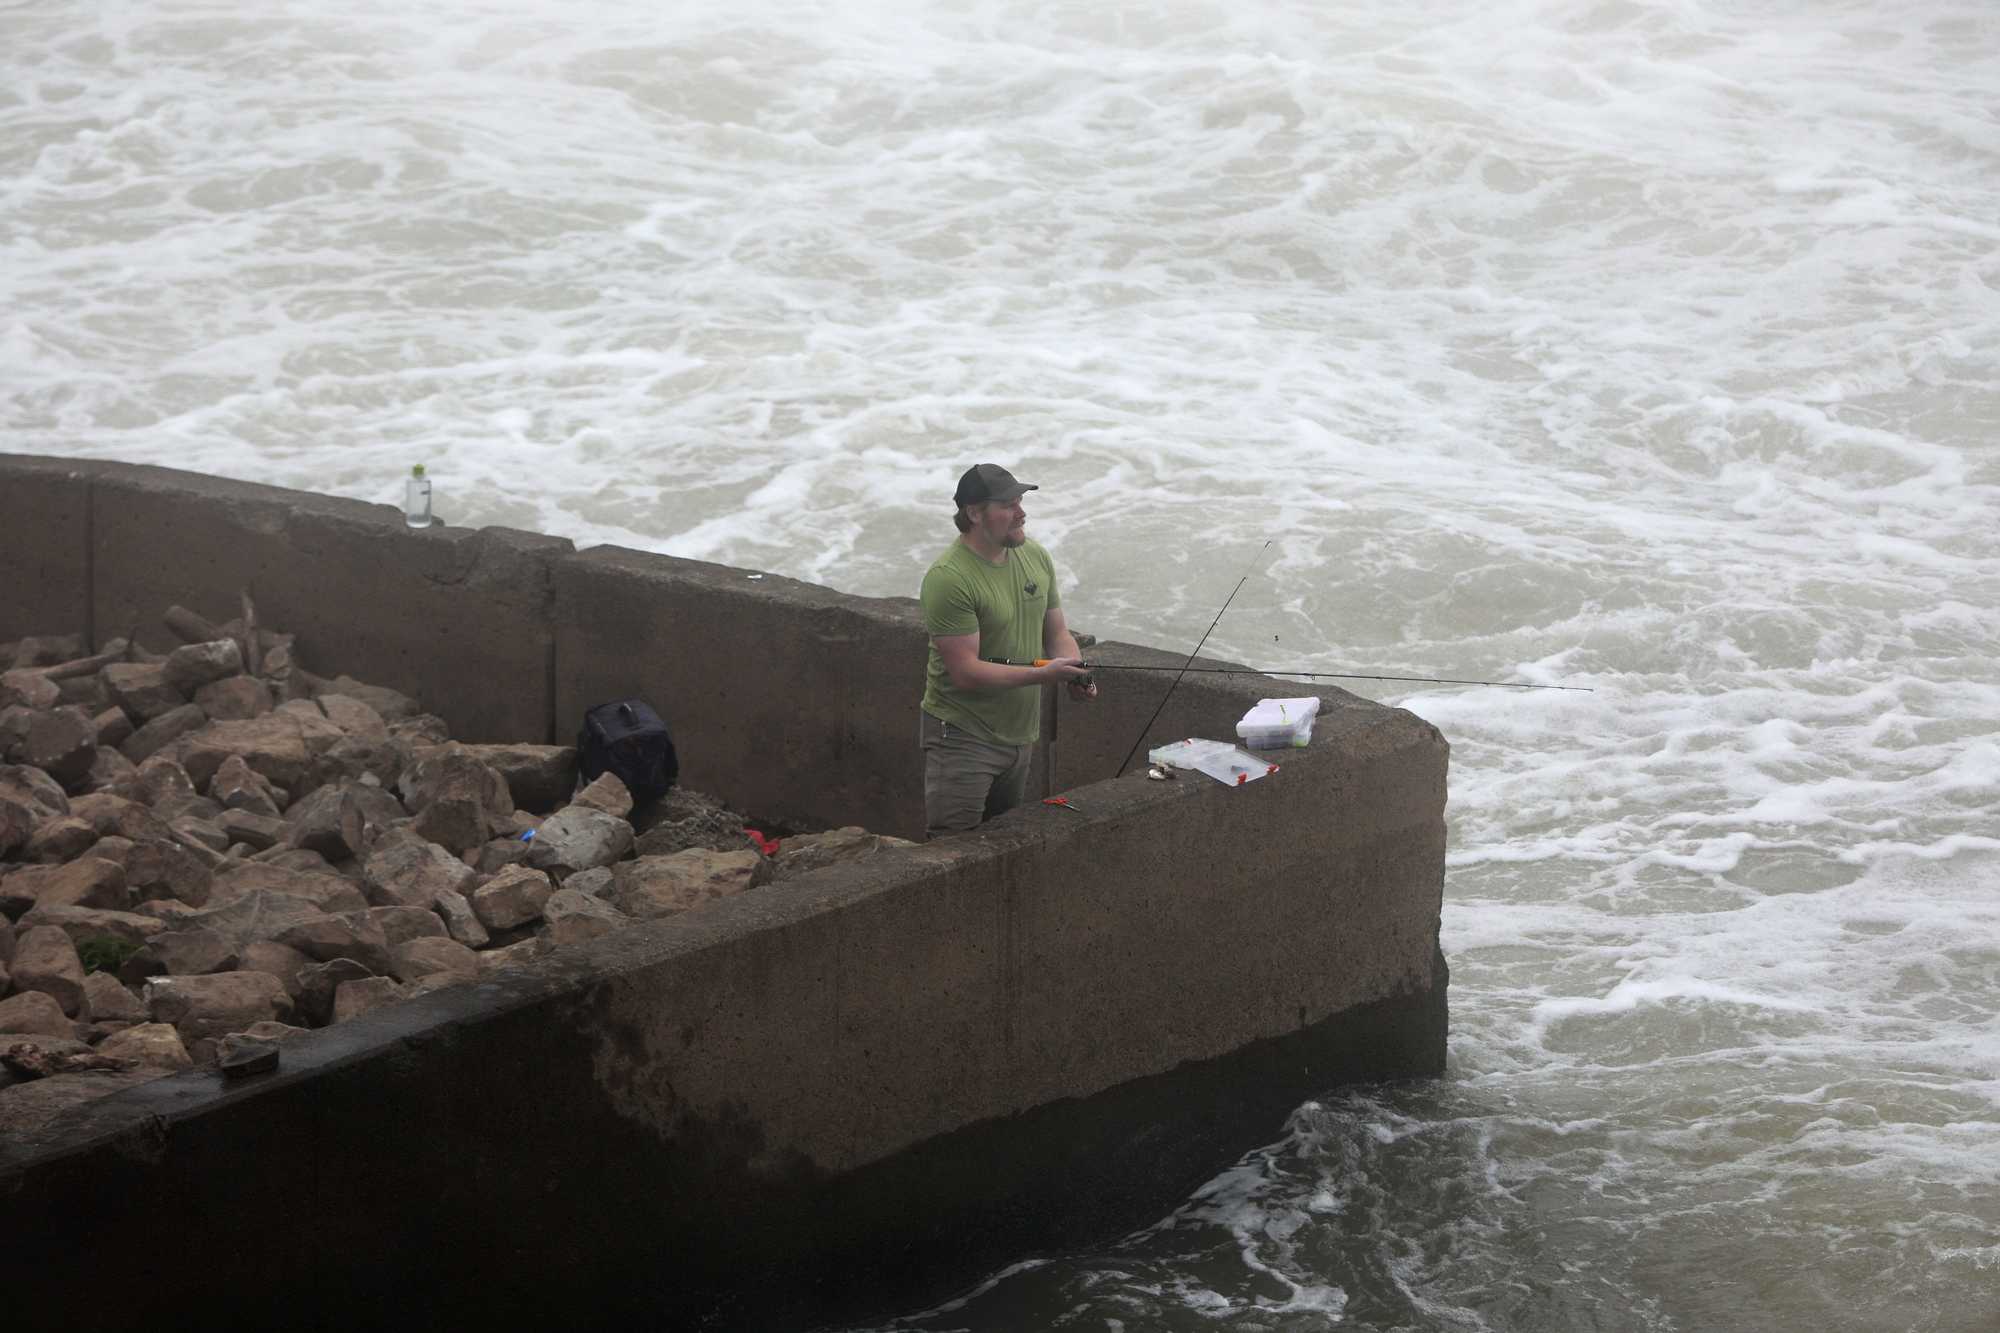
pixel 1188 666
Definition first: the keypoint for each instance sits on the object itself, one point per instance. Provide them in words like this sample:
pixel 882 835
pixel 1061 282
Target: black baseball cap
pixel 989 481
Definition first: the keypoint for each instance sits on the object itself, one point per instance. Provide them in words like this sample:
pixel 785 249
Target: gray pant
pixel 968 780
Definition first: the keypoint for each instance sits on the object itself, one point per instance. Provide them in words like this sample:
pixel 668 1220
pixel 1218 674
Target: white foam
pixel 1534 339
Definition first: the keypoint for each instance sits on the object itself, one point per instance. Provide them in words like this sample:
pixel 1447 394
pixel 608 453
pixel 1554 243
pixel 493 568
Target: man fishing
pixel 992 594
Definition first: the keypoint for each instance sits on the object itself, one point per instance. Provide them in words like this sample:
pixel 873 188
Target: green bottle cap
pixel 417 471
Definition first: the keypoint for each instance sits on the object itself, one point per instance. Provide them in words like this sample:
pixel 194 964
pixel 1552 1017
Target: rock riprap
pixel 206 851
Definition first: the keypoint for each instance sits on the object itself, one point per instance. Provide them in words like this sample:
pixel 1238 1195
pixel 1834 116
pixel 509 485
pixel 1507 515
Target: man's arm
pixel 1058 642
pixel 960 653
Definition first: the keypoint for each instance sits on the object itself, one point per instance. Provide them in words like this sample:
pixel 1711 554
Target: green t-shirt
pixel 1005 604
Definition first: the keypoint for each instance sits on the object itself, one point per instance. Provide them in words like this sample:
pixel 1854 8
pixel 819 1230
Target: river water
pixel 1652 347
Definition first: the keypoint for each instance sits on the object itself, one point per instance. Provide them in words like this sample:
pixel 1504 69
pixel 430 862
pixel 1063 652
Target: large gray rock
pixel 61 839
pixel 275 745
pixel 262 914
pixel 28 689
pixel 62 742
pixel 215 1006
pixel 400 925
pixel 366 812
pixel 141 689
pixel 655 886
pixel 174 913
pixel 319 983
pixel 115 816
pixel 282 671
pixel 804 852
pixel 40 793
pixel 574 917
pixel 355 998
pixel 353 716
pixel 596 882
pixel 511 898
pixel 14 723
pixel 237 699
pixel 407 872
pixel 113 725
pixel 108 1001
pixel 200 833
pixel 362 757
pixel 169 728
pixel 17 825
pixel 496 854
pixel 153 1045
pixel 89 882
pixel 514 955
pixel 332 893
pixel 46 961
pixel 458 801
pixel 540 777
pixel 161 779
pixel 302 859
pixel 108 769
pixel 460 921
pixel 168 870
pixel 193 665
pixel 577 838
pixel 716 829
pixel 239 1056
pixel 93 923
pixel 87 693
pixel 608 793
pixel 416 959
pixel 237 786
pixel 353 935
pixel 189 952
pixel 117 849
pixel 313 822
pixel 34 1011
pixel 261 832
pixel 287 964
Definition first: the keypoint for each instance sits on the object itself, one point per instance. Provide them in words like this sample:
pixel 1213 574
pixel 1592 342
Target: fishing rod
pixel 1316 675
pixel 1248 571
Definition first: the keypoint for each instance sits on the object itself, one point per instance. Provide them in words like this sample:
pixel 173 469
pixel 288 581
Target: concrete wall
pixel 44 547
pixel 841 1094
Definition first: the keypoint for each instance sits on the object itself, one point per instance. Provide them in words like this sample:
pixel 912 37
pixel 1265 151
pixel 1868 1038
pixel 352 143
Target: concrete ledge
pixel 785 698
pixel 455 617
pixel 45 544
pixel 843 1093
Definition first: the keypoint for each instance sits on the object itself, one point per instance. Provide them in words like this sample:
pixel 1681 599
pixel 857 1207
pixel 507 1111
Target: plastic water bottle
pixel 417 498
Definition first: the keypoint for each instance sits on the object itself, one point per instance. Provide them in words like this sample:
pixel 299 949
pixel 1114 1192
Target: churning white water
pixel 1647 345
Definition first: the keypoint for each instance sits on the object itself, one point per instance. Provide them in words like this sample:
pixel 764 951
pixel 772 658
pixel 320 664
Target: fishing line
pixel 1316 675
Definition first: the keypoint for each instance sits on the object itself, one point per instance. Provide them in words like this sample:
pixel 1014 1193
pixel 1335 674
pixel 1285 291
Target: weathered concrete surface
pixel 867 1084
pixel 860 1086
pixel 784 698
pixel 44 546
pixel 105 548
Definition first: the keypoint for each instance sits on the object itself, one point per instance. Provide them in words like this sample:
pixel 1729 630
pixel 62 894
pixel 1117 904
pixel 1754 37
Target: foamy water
pixel 1646 347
